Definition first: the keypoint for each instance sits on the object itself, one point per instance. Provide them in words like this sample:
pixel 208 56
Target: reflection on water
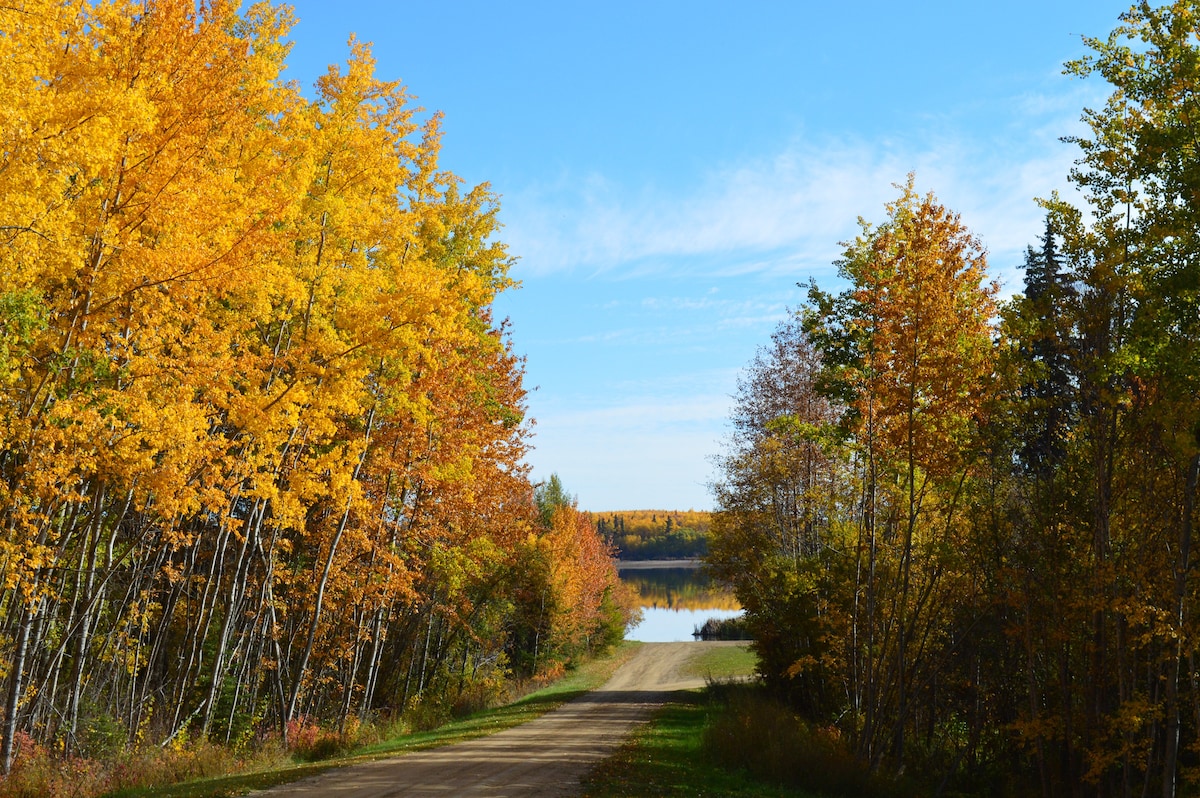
pixel 675 601
pixel 678 589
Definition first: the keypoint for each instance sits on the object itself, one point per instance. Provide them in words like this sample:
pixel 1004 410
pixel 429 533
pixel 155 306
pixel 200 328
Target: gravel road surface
pixel 545 757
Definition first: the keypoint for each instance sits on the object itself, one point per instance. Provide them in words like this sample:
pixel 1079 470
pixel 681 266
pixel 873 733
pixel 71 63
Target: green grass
pixel 666 757
pixel 733 739
pixel 723 662
pixel 587 677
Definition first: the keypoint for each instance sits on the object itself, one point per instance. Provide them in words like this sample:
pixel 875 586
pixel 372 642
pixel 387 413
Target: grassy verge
pixel 723 662
pixel 589 676
pixel 667 757
pixel 733 739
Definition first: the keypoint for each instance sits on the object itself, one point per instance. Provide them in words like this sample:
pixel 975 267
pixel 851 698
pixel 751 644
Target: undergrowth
pixel 734 741
pixel 750 731
pixel 197 767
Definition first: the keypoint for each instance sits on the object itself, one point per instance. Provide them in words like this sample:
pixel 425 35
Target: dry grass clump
pixel 761 736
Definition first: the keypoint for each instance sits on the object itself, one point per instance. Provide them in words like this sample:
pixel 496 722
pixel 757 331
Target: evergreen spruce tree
pixel 1047 391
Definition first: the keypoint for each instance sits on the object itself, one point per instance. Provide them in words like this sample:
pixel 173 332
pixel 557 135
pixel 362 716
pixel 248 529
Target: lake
pixel 676 598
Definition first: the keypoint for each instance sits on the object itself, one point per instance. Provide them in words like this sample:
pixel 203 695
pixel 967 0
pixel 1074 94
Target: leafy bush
pixel 734 628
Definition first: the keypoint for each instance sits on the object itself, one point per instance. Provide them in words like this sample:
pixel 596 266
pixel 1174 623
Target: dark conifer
pixel 1048 390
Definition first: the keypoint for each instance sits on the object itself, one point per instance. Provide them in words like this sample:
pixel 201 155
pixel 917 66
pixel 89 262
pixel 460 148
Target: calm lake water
pixel 675 600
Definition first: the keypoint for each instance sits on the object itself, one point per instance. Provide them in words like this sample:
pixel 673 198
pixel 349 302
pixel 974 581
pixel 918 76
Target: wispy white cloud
pixel 713 307
pixel 660 320
pixel 740 237
pixel 787 211
pixel 648 413
pixel 736 213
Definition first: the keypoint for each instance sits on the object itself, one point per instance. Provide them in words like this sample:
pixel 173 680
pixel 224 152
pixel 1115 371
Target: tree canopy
pixel 261 437
pixel 962 530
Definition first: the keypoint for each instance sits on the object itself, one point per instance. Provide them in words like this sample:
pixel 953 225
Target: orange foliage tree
pixel 841 516
pixel 571 601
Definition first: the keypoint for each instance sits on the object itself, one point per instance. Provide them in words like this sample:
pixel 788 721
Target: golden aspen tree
pixel 120 236
pixel 255 413
pixel 913 368
pixel 568 596
pixel 776 534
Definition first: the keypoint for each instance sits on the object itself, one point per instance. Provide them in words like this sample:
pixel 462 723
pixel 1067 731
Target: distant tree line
pixel 655 534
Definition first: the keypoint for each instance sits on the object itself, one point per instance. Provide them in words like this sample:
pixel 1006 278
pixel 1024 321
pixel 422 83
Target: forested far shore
pixel 654 534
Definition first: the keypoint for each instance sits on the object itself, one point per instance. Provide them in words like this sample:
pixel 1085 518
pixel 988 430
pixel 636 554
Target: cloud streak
pixel 787 211
pixel 731 245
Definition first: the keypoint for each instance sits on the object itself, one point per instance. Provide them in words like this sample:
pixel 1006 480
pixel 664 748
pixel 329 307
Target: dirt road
pixel 545 757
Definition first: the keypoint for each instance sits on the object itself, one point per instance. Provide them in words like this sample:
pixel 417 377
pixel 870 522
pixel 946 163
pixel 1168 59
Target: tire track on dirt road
pixel 545 757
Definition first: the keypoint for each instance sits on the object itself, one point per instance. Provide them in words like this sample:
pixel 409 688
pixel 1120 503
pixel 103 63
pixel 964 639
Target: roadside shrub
pixel 476 697
pixel 38 773
pixel 101 736
pixel 311 743
pixel 427 715
pixel 46 777
pixel 759 735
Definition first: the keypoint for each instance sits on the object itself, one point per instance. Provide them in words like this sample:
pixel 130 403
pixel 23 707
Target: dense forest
pixel 261 438
pixel 655 534
pixel 962 526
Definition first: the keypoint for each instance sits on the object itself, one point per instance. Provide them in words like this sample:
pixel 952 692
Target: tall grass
pixel 190 768
pixel 38 773
pixel 750 731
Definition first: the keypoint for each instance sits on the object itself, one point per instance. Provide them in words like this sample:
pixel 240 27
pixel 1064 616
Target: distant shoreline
pixel 635 565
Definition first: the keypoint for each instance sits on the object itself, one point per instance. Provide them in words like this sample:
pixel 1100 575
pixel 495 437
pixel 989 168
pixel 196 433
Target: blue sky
pixel 670 171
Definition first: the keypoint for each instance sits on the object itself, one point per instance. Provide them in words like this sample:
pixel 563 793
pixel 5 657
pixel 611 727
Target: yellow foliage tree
pixel 260 437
